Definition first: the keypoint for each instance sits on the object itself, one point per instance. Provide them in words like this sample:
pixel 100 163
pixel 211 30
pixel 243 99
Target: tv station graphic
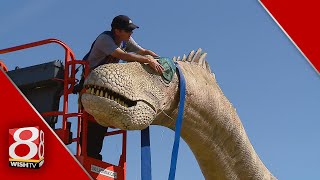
pixel 26 147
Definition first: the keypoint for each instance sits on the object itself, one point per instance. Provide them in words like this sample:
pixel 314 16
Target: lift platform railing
pixel 96 168
pixel 69 77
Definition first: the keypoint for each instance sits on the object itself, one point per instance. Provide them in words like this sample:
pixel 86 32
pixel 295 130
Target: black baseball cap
pixel 123 22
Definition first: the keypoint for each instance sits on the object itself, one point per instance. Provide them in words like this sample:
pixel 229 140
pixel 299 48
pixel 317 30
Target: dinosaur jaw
pixel 112 109
pixel 111 95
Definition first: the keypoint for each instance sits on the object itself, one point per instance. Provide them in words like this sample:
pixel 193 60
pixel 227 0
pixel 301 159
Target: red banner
pixel 29 148
pixel 299 20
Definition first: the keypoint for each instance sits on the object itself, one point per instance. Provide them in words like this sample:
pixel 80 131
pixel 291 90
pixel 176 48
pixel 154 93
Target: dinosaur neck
pixel 213 131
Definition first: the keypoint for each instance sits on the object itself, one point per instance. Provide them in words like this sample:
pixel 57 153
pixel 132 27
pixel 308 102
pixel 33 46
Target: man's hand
pixel 155 65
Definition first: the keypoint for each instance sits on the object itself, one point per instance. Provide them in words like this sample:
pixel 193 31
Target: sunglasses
pixel 128 31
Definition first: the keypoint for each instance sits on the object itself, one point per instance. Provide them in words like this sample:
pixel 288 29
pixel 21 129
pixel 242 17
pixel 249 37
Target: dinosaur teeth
pixel 108 94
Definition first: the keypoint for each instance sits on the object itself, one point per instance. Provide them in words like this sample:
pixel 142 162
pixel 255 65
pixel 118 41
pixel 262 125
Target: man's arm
pixel 118 53
pixel 132 46
pixel 147 52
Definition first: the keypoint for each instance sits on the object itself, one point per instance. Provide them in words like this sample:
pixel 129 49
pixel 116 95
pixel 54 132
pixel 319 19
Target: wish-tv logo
pixel 26 147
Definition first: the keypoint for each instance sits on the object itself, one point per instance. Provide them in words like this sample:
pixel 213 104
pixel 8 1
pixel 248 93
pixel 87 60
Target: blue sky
pixel 270 83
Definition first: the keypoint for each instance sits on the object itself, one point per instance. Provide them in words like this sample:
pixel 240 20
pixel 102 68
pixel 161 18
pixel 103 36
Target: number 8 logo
pixel 33 147
pixel 41 145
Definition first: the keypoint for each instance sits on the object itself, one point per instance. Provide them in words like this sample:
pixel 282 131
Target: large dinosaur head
pixel 126 95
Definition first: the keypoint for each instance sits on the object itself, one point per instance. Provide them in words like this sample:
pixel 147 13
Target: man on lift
pixel 110 47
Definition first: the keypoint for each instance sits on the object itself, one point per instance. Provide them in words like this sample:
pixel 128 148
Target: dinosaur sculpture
pixel 131 96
